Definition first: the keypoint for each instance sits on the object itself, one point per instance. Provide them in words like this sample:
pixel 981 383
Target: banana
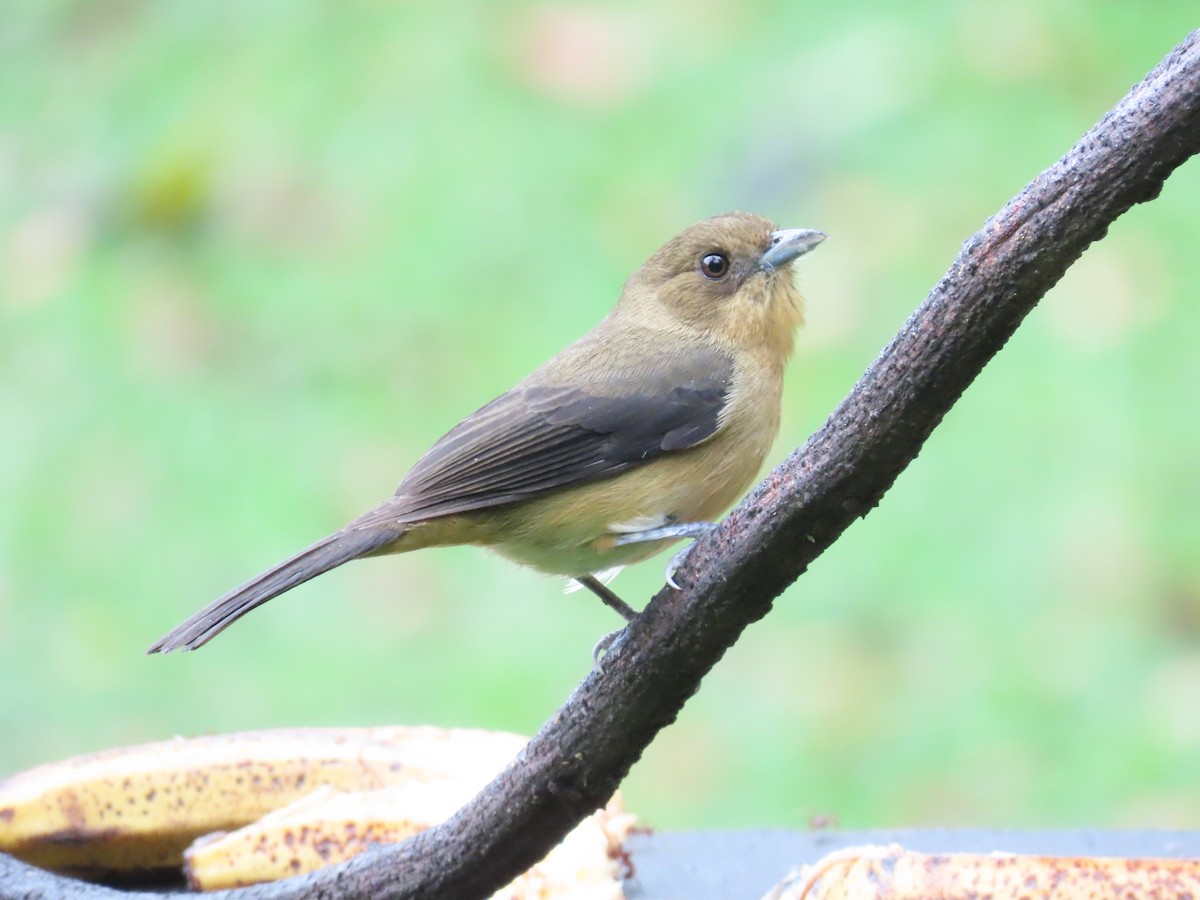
pixel 331 826
pixel 138 808
pixel 898 874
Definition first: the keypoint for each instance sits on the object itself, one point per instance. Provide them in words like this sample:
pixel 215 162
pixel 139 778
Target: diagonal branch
pixel 733 575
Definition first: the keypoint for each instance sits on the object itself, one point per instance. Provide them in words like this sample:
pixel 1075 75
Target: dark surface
pixel 726 865
pixel 719 865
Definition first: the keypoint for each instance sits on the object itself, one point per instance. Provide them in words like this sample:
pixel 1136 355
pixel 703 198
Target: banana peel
pixel 331 826
pixel 136 809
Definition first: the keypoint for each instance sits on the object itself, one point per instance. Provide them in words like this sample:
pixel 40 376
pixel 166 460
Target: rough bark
pixel 733 575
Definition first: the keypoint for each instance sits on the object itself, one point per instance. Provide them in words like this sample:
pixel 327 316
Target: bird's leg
pixel 691 530
pixel 672 531
pixel 611 600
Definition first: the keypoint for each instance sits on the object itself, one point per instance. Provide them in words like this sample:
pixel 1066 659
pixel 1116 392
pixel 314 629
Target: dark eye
pixel 714 265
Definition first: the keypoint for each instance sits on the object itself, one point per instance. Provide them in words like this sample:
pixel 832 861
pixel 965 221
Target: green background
pixel 255 258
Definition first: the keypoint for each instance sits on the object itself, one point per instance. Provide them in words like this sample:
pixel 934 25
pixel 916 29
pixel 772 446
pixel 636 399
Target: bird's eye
pixel 714 265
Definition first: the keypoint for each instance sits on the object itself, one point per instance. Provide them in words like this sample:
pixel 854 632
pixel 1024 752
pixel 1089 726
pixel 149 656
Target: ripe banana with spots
pixel 136 809
pixel 331 826
pixel 853 873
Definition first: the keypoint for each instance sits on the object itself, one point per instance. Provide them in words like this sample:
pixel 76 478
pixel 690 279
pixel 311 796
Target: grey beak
pixel 787 244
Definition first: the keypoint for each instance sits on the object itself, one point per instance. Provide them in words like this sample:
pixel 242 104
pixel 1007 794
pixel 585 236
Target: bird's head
pixel 729 277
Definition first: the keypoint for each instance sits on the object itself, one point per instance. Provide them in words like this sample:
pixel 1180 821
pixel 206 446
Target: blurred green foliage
pixel 255 258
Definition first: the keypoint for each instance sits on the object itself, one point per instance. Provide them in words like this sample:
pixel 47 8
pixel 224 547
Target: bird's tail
pixel 325 554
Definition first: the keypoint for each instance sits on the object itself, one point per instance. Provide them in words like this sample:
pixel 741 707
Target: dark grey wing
pixel 536 437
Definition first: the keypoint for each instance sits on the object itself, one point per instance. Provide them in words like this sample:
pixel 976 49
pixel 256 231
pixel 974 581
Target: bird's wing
pixel 539 437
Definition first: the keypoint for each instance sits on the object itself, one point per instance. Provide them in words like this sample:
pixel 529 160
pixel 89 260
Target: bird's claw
pixel 602 647
pixel 673 565
pixel 678 557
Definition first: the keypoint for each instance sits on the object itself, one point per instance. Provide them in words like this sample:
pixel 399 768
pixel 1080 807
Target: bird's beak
pixel 787 244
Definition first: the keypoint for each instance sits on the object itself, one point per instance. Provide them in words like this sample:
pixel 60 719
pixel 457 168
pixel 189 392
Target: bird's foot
pixel 673 565
pixel 692 530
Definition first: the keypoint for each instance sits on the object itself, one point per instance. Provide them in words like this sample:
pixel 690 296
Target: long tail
pixel 325 554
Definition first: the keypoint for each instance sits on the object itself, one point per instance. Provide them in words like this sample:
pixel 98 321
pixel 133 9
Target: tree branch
pixel 733 575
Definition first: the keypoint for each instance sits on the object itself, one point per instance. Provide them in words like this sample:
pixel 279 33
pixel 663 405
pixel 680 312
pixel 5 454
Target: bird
pixel 637 435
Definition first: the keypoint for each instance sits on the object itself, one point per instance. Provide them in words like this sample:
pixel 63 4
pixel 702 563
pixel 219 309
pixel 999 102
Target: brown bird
pixel 639 434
